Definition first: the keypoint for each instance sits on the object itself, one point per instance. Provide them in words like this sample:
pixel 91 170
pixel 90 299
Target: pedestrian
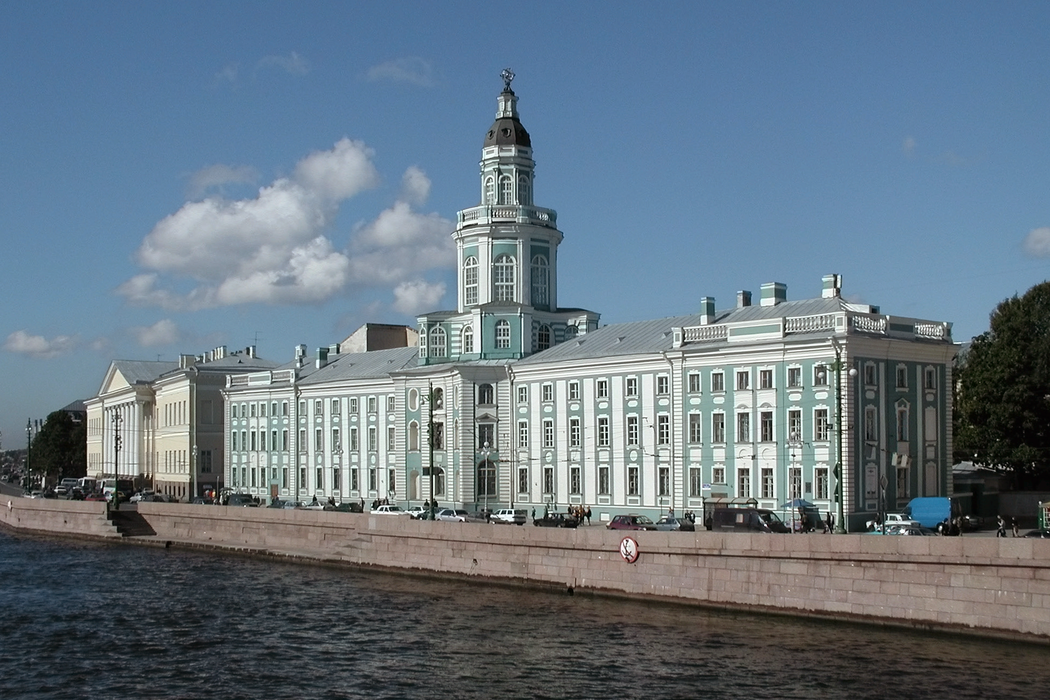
pixel 588 515
pixel 1001 532
pixel 1013 524
pixel 829 523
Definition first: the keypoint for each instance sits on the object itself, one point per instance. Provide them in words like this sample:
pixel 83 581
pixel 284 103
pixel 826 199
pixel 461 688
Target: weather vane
pixel 508 75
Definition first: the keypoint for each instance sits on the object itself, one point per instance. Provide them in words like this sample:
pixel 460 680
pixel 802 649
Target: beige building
pixel 160 424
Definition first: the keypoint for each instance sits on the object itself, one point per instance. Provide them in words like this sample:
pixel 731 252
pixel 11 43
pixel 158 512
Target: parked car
pixel 452 515
pixel 139 495
pixel 1041 534
pixel 631 522
pixel 514 516
pixel 241 500
pixel 202 501
pixel 671 523
pixel 350 507
pixel 418 512
pixel 557 520
pixel 746 520
pixel 388 510
pixel 894 519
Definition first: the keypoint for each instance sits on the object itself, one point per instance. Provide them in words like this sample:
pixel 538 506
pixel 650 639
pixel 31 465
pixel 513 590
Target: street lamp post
pixel 840 494
pixel 485 452
pixel 430 440
pixel 29 453
pixel 117 420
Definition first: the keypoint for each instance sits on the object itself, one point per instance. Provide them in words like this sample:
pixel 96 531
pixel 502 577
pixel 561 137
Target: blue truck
pixel 932 511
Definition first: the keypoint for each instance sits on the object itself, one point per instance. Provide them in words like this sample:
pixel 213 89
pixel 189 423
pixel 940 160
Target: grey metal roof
pixel 645 337
pixel 363 365
pixel 236 363
pixel 137 371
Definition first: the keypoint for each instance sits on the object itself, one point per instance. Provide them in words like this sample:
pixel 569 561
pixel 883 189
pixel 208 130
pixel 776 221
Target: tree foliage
pixel 60 448
pixel 1003 402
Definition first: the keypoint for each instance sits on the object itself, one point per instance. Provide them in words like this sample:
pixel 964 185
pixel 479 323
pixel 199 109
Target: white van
pixel 509 515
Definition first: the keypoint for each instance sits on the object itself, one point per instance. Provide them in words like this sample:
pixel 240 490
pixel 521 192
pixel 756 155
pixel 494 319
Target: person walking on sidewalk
pixel 1001 532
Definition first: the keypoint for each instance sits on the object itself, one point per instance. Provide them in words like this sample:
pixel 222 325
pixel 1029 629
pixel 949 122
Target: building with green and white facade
pixel 512 400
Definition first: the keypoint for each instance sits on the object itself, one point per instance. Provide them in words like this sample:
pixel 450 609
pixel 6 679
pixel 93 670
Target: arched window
pixel 467 337
pixel 506 190
pixel 438 346
pixel 502 335
pixel 413 436
pixel 439 398
pixel 485 395
pixel 540 280
pixel 486 480
pixel 524 195
pixel 543 337
pixel 490 190
pixel 503 278
pixel 470 281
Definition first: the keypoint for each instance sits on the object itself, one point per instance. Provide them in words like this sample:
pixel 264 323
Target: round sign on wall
pixel 629 550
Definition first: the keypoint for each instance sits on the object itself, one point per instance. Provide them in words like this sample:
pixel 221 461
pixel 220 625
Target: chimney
pixel 773 293
pixel 707 310
pixel 743 299
pixel 832 286
pixel 333 349
pixel 322 357
pixel 186 361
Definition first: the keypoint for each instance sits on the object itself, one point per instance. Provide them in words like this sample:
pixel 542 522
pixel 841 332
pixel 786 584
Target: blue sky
pixel 179 176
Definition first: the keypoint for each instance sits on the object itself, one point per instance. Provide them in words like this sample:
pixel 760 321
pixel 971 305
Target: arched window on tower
pixel 503 278
pixel 506 190
pixel 502 335
pixel 467 338
pixel 470 281
pixel 540 280
pixel 490 190
pixel 543 337
pixel 524 192
pixel 438 346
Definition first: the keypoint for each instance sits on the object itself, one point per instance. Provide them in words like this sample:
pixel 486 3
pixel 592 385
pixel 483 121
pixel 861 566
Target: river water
pixel 87 620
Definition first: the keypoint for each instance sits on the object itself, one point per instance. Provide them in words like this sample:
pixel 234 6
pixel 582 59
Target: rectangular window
pixel 574 391
pixel 575 482
pixel 794 425
pixel 603 480
pixel 372 404
pixel 795 482
pixel 335 440
pixel 718 427
pixel 902 424
pixel 696 428
pixel 548 433
pixel 354 447
pixel 523 394
pixel 373 480
pixel 902 377
pixel 743 427
pixel 273 440
pixel 233 441
pixel 253 410
pixel 547 392
pixel 634 487
pixel 390 404
pixel 335 407
pixel 318 440
pixel 523 480
pixel 439 435
pixel 391 437
pixel 523 433
pixel 696 482
pixel 318 407
pixel 575 439
pixel 602 388
pixel 743 482
pixel 632 430
pixel 821 487
pixel 902 483
pixel 718 381
pixel 603 431
pixel 869 374
pixel 718 475
pixel 302 440
pixel 631 387
pixel 743 380
pixel 284 440
pixel 252 434
pixel 353 406
pixel 794 377
pixel 694 382
pixel 548 480
pixel 663 429
pixel 662 383
pixel 930 378
pixel 765 379
pixel 871 424
pixel 767 482
pixel 354 483
pixel 820 375
pixel 766 420
pixel 373 441
pixel 821 428
pixel 663 481
pixel 486 435
pixel 206 461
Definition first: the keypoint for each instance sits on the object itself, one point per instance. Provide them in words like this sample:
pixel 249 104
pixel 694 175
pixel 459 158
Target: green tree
pixel 60 448
pixel 1003 398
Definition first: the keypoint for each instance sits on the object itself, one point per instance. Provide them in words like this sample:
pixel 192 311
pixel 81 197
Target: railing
pixel 809 324
pixel 496 212
pixel 934 331
pixel 703 334
pixel 868 324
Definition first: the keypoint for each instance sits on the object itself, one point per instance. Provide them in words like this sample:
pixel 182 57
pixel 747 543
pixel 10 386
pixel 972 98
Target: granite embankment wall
pixel 983 585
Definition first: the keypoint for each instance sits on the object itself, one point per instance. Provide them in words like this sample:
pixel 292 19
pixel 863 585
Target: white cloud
pixel 908 146
pixel 409 69
pixel 293 63
pixel 163 332
pixel 418 296
pixel 38 346
pixel 228 74
pixel 1037 242
pixel 216 176
pixel 273 249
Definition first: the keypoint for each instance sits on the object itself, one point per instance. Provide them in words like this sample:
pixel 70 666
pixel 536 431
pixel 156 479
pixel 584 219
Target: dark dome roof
pixel 507 131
